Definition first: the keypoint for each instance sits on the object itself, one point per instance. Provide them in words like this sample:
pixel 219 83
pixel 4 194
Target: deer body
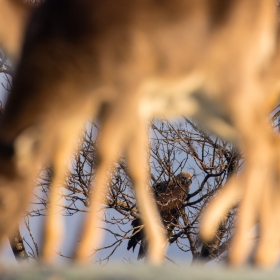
pixel 124 62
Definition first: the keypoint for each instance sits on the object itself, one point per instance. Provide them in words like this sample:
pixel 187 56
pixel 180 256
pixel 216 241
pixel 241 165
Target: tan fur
pixel 259 200
pixel 124 62
pixel 13 20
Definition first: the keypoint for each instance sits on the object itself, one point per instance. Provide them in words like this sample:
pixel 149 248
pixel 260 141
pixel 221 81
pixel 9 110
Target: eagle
pixel 170 197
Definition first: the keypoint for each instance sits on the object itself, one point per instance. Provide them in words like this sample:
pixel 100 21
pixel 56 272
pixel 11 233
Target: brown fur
pixel 124 62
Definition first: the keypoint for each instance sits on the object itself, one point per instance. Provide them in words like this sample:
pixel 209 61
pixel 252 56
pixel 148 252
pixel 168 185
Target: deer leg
pixel 110 143
pixel 121 132
pixel 138 167
pixel 255 183
pixel 53 229
pixel 64 142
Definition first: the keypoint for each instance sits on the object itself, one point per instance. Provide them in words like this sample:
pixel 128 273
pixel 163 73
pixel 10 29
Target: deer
pixel 257 203
pixel 124 62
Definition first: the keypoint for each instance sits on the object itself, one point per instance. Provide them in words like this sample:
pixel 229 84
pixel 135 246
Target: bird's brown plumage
pixel 170 197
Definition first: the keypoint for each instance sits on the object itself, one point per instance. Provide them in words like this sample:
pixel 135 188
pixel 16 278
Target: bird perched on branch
pixel 170 197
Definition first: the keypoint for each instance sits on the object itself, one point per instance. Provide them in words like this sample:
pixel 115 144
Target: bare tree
pixel 18 247
pixel 175 147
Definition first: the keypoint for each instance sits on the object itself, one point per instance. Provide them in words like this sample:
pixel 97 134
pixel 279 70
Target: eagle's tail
pixel 137 234
pixel 143 249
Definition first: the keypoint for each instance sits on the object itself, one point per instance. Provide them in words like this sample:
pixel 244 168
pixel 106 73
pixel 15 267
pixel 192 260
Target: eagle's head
pixel 184 178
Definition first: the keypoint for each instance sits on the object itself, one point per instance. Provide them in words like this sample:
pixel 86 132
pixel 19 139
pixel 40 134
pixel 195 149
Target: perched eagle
pixel 170 197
